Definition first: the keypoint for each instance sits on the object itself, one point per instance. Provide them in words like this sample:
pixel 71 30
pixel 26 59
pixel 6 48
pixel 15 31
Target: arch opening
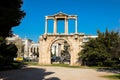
pixel 60 52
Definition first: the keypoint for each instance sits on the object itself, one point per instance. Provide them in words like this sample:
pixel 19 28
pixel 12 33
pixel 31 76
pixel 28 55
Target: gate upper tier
pixel 60 16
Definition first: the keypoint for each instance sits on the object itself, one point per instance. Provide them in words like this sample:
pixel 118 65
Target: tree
pixel 10 16
pixel 7 52
pixel 93 53
pixel 102 51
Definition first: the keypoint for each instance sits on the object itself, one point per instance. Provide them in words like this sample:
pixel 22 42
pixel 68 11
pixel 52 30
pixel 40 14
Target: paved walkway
pixel 52 73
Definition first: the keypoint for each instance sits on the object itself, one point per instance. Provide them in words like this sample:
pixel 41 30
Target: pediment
pixel 60 14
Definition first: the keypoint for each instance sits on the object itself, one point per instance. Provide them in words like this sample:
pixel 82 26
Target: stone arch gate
pixel 46 40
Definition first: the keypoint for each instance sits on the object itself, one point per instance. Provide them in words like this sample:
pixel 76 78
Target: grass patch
pixel 113 77
pixel 16 65
pixel 30 63
pixel 99 67
pixel 55 65
pixel 60 65
pixel 63 65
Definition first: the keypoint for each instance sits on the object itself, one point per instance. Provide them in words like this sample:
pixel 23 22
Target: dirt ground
pixel 53 73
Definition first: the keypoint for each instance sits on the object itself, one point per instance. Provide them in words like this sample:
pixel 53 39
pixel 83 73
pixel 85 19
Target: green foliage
pixel 7 52
pixel 10 15
pixel 113 77
pixel 102 51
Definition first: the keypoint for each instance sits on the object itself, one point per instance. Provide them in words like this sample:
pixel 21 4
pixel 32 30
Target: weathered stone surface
pixel 47 40
pixel 74 40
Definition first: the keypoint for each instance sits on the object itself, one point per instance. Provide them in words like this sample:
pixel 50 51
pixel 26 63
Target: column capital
pixel 46 17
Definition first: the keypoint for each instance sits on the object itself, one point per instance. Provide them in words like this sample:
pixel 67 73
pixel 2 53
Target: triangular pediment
pixel 60 14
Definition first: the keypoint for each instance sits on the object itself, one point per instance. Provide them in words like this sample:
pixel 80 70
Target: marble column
pixel 76 25
pixel 55 26
pixel 46 25
pixel 66 26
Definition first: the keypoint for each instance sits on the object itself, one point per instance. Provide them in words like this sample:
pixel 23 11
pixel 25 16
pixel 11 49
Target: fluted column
pixel 66 26
pixel 55 26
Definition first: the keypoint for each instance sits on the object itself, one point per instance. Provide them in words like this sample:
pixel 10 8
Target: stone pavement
pixel 52 73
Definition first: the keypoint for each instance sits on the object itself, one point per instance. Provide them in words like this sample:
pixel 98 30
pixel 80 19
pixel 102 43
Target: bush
pixel 16 65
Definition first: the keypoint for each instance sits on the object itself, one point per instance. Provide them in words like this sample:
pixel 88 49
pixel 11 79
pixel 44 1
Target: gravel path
pixel 52 73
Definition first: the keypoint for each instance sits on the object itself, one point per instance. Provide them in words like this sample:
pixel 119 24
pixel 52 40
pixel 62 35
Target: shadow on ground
pixel 26 74
pixel 111 70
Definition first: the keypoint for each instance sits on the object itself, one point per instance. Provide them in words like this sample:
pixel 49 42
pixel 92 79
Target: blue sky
pixel 92 15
